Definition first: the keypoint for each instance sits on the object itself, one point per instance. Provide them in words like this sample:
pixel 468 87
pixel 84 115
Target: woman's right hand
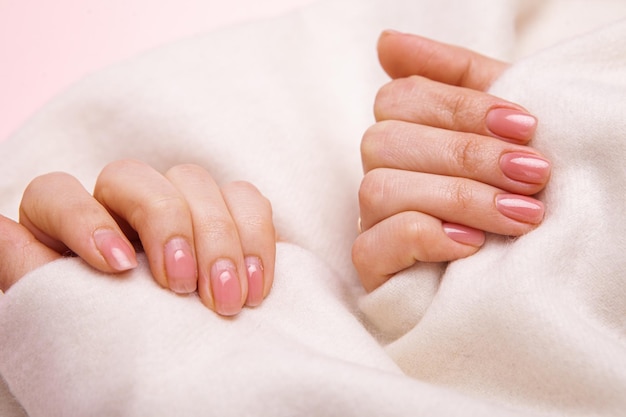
pixel 196 234
pixel 444 162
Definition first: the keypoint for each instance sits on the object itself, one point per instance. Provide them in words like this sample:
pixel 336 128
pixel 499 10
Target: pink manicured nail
pixel 255 281
pixel 463 234
pixel 117 253
pixel 511 123
pixel 525 167
pixel 520 208
pixel 226 288
pixel 180 266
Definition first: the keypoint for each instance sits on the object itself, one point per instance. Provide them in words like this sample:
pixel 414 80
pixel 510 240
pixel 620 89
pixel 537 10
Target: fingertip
pixel 227 288
pixel 388 50
pixel 371 276
pixel 118 254
pixel 256 281
pixel 180 266
pixel 403 55
pixel 511 124
pixel 387 33
pixel 464 234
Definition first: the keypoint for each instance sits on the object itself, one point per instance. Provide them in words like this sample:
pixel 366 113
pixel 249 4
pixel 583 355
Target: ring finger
pixel 400 241
pixel 385 192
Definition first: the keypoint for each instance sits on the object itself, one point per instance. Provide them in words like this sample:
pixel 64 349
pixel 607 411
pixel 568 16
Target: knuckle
pixel 373 190
pixel 252 222
pixel 382 100
pixel 45 181
pixel 245 191
pixel 185 170
pixel 243 188
pixel 461 111
pixel 146 211
pixel 120 165
pixel 357 253
pixel 215 228
pixel 465 155
pixel 376 146
pixel 419 238
pixel 360 254
pixel 106 179
pixel 458 106
pixel 460 193
pixel 413 228
pixel 396 94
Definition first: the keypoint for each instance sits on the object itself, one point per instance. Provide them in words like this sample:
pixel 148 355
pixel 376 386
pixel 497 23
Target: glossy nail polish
pixel 254 269
pixel 511 124
pixel 226 287
pixel 463 234
pixel 117 253
pixel 525 167
pixel 521 208
pixel 180 266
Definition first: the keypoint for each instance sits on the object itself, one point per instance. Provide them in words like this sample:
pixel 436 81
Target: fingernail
pixel 463 234
pixel 511 123
pixel 525 167
pixel 116 252
pixel 255 281
pixel 180 266
pixel 392 32
pixel 226 288
pixel 520 208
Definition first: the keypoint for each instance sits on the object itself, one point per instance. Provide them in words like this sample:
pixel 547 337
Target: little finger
pixel 400 241
pixel 386 192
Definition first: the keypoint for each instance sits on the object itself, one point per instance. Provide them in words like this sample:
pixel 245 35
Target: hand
pixel 444 162
pixel 196 235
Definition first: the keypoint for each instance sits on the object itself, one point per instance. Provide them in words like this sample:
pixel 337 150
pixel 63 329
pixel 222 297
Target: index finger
pixel 402 55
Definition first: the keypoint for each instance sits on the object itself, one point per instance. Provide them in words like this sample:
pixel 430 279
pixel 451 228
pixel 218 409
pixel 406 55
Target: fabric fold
pixel 531 326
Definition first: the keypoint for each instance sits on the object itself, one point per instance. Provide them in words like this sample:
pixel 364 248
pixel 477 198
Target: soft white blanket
pixel 533 326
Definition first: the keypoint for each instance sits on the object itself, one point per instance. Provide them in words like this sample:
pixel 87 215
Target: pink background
pixel 46 45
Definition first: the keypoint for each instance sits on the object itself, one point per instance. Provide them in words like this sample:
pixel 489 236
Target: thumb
pixel 20 252
pixel 402 55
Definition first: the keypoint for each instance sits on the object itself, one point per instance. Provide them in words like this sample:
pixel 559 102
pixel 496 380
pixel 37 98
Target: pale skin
pixel 444 163
pixel 197 236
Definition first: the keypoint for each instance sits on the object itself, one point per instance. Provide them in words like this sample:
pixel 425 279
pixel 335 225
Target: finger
pixel 407 146
pixel 252 214
pixel 159 213
pixel 222 276
pixel 61 214
pixel 386 192
pixel 20 252
pixel 420 100
pixel 400 241
pixel 402 55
